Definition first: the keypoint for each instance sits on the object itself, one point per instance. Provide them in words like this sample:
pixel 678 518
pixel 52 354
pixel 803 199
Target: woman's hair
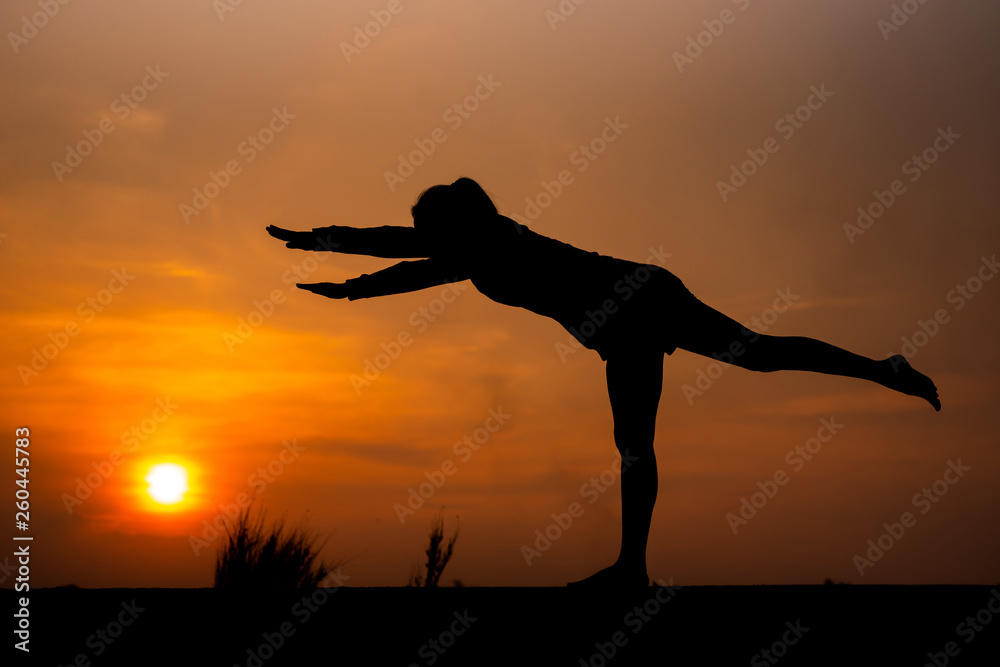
pixel 450 208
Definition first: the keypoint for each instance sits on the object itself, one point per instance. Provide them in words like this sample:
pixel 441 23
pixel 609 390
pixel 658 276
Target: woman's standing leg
pixel 635 380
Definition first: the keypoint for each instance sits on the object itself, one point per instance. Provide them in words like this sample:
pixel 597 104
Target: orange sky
pixel 185 325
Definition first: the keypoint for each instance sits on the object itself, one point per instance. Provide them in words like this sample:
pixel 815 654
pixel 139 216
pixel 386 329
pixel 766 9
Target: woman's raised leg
pixel 708 332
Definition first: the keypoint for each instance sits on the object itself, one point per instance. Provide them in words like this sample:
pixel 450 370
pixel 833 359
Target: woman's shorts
pixel 648 311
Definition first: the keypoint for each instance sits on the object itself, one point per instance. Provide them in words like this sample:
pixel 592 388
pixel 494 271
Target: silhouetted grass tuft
pixel 438 555
pixel 274 558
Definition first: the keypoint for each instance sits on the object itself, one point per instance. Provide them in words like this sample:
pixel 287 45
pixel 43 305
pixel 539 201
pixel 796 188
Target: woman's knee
pixel 635 440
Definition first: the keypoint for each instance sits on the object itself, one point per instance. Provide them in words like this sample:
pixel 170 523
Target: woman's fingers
pixel 329 290
pixel 317 239
pixel 297 240
pixel 279 233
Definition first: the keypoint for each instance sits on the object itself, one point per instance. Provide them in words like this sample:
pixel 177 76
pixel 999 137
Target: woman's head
pixel 449 211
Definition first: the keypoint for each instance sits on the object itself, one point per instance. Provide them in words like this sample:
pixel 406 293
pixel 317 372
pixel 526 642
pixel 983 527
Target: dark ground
pixel 697 625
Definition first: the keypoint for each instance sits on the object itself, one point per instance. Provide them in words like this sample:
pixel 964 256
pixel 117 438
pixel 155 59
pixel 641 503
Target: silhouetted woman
pixel 629 313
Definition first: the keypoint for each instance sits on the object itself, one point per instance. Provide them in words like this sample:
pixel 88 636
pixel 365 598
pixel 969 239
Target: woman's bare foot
pixel 616 577
pixel 900 376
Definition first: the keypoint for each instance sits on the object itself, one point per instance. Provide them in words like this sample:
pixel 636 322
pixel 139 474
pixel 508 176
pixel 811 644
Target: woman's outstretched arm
pixel 397 279
pixel 387 241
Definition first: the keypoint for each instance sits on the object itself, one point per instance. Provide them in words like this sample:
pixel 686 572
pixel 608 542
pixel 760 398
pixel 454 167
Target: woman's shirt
pixel 597 298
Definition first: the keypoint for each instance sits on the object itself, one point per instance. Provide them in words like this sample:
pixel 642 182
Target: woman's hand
pixel 321 238
pixel 329 290
pixel 296 240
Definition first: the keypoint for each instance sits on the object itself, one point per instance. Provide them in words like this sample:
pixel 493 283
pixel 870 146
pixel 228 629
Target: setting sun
pixel 168 482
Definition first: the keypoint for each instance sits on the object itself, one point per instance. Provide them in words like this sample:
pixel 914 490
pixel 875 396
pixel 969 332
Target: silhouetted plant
pixel 274 558
pixel 437 556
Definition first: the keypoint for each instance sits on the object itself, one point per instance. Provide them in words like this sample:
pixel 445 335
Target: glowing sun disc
pixel 168 482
